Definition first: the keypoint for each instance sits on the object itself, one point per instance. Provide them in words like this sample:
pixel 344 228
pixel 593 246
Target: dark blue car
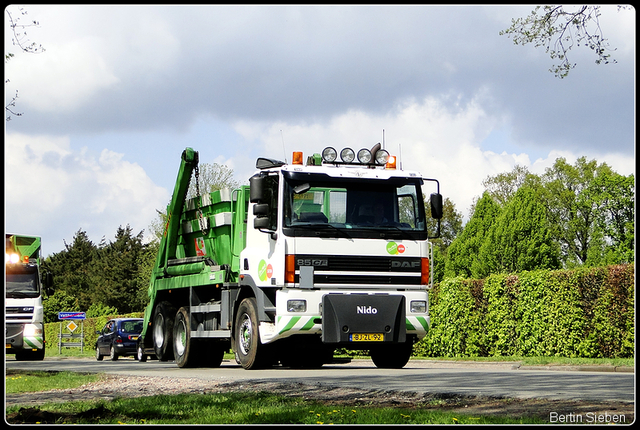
pixel 119 338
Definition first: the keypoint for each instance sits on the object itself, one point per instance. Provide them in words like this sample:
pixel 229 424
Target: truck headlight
pixel 296 305
pixel 31 330
pixel 418 306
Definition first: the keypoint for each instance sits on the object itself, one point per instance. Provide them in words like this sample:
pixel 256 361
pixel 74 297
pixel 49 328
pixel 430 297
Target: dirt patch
pixel 120 386
pixel 544 409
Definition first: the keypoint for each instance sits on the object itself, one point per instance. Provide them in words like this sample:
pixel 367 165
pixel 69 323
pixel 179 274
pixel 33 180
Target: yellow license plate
pixel 133 337
pixel 367 337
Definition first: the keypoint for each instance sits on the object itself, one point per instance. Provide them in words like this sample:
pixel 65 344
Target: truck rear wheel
pixel 248 347
pixel 162 331
pixel 190 352
pixel 183 352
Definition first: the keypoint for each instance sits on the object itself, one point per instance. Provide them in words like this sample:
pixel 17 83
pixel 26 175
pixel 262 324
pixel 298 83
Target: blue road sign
pixel 71 316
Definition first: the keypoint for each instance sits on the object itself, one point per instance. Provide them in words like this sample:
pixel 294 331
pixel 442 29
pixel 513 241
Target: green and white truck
pixel 309 257
pixel 24 288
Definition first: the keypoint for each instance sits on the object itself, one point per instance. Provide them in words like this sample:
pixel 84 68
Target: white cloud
pixel 54 191
pixel 65 78
pixel 438 140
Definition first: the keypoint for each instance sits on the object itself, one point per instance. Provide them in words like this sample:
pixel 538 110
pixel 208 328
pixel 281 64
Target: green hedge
pixel 91 325
pixel 587 313
pixel 567 313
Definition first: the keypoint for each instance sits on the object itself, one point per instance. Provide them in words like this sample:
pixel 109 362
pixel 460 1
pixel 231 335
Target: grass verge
pixel 24 381
pixel 237 408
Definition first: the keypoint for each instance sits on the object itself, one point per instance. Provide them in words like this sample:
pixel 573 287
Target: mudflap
pixel 354 319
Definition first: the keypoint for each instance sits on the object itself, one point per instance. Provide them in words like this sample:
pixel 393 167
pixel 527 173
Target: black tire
pixel 98 355
pixel 392 356
pixel 113 355
pixel 140 355
pixel 30 355
pixel 183 349
pixel 248 348
pixel 162 331
pixel 212 352
pixel 305 352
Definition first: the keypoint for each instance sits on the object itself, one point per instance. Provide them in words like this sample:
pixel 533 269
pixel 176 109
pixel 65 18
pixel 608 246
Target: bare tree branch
pixel 558 31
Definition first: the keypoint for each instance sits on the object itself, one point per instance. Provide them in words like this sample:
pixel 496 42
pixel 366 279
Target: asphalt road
pixel 475 379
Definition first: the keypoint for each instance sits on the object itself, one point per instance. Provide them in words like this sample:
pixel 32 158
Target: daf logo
pixel 313 262
pixel 405 264
pixel 370 310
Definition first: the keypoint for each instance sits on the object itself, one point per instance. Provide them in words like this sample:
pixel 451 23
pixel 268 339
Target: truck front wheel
pixel 392 356
pixel 163 318
pixel 29 355
pixel 247 338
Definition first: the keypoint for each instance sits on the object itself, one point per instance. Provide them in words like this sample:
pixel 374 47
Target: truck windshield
pixel 321 205
pixel 22 282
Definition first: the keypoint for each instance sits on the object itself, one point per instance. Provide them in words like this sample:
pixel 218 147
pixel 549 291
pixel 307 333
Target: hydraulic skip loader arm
pixel 168 243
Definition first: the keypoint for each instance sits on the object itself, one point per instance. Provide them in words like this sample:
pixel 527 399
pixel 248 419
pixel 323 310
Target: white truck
pixel 24 317
pixel 310 257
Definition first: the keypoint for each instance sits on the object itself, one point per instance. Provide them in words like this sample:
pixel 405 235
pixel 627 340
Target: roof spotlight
pixel 382 156
pixel 329 154
pixel 347 155
pixel 364 156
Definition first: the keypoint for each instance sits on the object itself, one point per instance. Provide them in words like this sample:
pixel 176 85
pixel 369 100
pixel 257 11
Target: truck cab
pixel 339 257
pixel 24 317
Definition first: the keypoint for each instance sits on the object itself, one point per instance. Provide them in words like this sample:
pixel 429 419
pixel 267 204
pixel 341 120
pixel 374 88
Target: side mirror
pixel 47 281
pixel 261 210
pixel 256 190
pixel 436 205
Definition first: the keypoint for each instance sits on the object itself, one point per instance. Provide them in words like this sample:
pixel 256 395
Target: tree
pixel 558 30
pixel 58 302
pixel 572 211
pixel 520 239
pixel 503 186
pixel 450 227
pixel 613 196
pixel 24 44
pixel 463 253
pixel 212 177
pixel 115 272
pixel 71 268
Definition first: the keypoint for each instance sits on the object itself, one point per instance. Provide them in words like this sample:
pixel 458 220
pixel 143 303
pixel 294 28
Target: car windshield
pixel 131 327
pixel 320 205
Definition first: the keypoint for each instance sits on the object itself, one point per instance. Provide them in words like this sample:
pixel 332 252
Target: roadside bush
pixel 587 312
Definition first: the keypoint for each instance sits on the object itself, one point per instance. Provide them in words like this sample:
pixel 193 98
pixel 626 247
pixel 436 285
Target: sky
pixel 120 91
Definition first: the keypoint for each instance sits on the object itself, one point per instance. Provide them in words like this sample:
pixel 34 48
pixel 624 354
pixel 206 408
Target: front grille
pixel 19 313
pixel 350 270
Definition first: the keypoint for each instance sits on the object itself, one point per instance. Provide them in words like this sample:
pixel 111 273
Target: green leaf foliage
pixel 567 313
pixel 520 239
pixel 463 253
pixel 456 320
